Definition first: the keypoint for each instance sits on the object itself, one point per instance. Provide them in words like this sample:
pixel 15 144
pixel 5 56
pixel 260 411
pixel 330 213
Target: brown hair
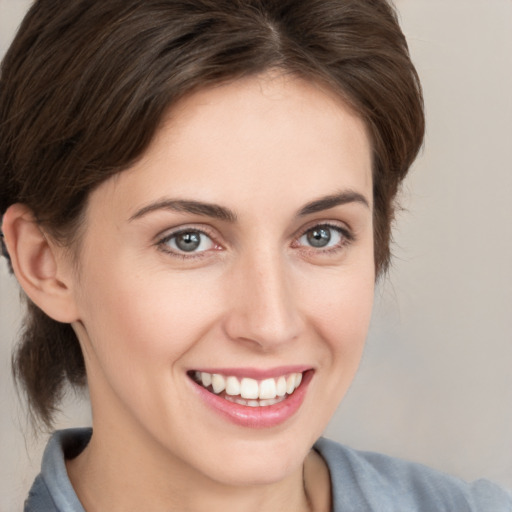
pixel 86 84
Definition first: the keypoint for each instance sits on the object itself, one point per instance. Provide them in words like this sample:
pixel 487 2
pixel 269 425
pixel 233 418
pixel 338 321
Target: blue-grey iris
pixel 319 237
pixel 188 241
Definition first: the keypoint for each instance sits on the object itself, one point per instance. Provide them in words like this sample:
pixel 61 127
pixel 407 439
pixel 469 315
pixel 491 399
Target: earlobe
pixel 38 264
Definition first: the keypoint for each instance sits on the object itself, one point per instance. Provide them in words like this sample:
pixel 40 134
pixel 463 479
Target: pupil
pixel 319 237
pixel 188 241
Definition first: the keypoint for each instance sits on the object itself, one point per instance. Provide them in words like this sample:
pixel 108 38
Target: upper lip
pixel 256 373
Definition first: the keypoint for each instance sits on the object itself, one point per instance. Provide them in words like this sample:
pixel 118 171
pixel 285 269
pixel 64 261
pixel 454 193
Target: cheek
pixel 146 317
pixel 138 332
pixel 339 311
pixel 350 317
pixel 340 307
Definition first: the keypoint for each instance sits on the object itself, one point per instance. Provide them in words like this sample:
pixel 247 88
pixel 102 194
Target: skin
pixel 258 295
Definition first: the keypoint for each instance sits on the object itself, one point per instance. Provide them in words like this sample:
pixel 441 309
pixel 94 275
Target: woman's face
pixel 238 249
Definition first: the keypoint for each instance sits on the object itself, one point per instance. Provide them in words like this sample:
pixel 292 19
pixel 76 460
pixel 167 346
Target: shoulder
pixel 378 483
pixel 52 491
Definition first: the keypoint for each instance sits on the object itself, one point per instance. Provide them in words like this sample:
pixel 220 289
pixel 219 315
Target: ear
pixel 40 265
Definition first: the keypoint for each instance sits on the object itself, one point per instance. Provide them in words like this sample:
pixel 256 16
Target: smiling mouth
pixel 247 391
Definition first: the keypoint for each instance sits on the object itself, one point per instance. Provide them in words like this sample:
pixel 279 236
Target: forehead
pixel 253 141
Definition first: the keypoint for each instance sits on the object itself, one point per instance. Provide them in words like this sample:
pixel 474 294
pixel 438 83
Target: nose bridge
pixel 263 308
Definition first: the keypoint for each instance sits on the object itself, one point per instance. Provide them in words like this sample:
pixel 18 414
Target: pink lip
pixel 256 417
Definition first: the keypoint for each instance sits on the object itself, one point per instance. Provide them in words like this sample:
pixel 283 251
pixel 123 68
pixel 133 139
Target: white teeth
pixel 249 391
pixel 218 383
pixel 232 386
pixel 281 386
pixel 249 388
pixel 206 379
pixel 290 383
pixel 264 403
pixel 253 403
pixel 267 389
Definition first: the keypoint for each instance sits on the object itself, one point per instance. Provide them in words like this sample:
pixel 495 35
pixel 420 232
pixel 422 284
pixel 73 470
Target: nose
pixel 262 304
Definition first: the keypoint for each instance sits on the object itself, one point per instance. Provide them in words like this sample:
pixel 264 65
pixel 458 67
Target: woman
pixel 197 199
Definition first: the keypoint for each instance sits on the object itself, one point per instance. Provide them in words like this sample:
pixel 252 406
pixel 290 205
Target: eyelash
pixel 163 244
pixel 347 237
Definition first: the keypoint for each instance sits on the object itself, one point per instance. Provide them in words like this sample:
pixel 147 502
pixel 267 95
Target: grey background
pixel 435 384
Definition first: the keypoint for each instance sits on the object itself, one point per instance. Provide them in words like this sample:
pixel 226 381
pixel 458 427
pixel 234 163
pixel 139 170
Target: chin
pixel 259 461
pixel 258 471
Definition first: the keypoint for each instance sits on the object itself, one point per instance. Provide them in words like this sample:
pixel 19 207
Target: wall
pixel 435 384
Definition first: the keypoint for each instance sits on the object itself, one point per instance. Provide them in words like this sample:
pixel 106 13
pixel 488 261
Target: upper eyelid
pixel 343 227
pixel 171 232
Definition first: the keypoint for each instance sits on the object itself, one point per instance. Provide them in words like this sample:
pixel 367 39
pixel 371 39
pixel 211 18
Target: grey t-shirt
pixel 361 482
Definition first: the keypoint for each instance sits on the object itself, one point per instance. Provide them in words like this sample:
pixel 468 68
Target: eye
pixel 188 241
pixel 324 237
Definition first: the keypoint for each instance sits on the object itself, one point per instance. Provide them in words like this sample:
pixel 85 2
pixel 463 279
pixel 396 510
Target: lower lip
pixel 257 417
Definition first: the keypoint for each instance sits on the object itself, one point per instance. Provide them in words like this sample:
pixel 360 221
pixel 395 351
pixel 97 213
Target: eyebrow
pixel 327 202
pixel 187 206
pixel 225 214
